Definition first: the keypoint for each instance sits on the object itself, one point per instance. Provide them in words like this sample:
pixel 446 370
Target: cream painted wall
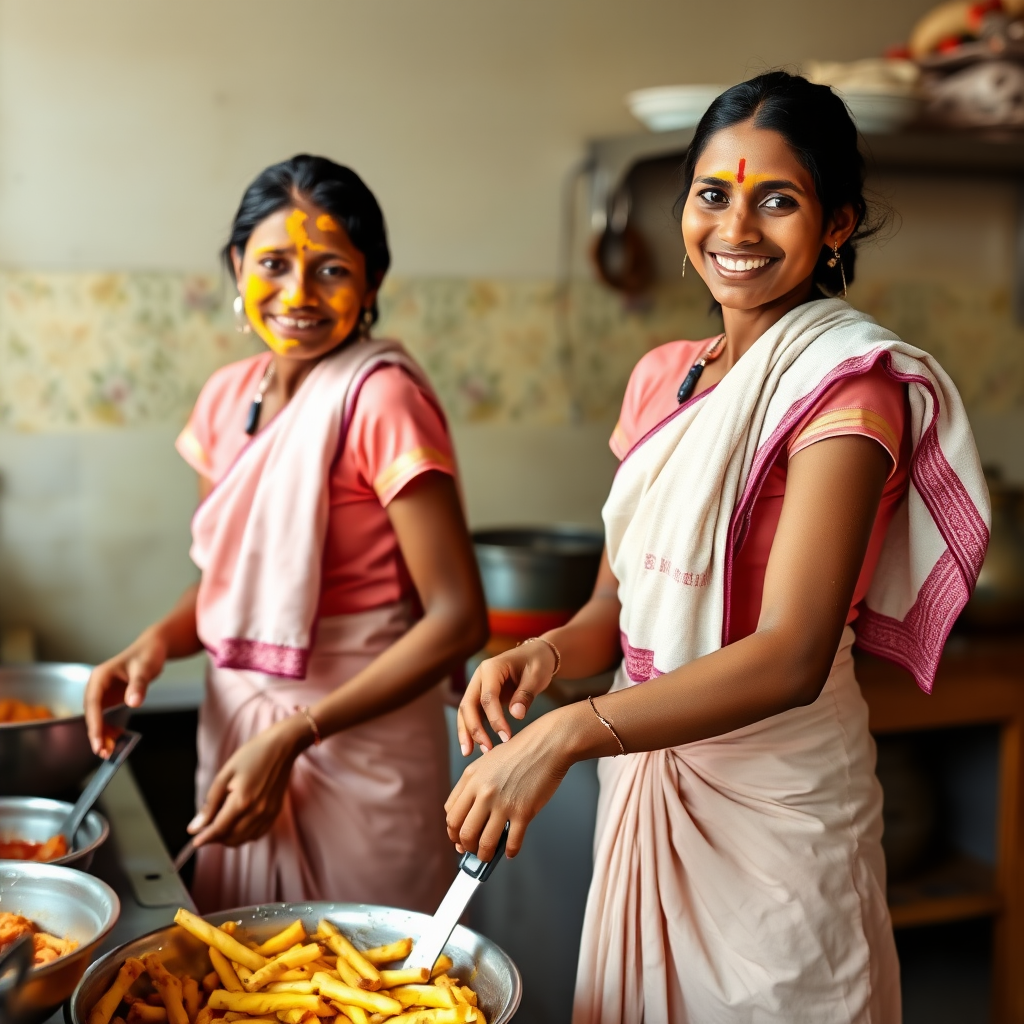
pixel 128 128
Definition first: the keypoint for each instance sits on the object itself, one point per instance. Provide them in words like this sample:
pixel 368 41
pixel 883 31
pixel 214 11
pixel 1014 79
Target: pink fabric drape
pixel 259 536
pixel 363 820
pixel 741 879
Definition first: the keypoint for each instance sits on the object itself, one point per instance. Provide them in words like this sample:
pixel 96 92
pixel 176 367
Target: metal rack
pixel 928 153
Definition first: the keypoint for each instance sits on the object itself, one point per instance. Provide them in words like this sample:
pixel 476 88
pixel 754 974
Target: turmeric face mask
pixel 303 282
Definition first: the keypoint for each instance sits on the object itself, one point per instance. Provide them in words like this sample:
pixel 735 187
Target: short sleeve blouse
pixel 871 405
pixel 397 433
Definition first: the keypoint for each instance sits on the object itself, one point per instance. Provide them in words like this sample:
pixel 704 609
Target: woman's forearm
pixel 177 630
pixel 435 646
pixel 589 642
pixel 755 678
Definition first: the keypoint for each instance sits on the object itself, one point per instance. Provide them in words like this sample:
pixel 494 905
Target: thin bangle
pixel 303 709
pixel 554 650
pixel 608 725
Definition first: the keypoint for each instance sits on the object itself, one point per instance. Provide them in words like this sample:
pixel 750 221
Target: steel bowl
pixel 536 578
pixel 486 965
pixel 64 902
pixel 52 755
pixel 35 819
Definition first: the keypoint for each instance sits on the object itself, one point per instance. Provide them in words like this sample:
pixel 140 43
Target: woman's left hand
pixel 246 796
pixel 510 783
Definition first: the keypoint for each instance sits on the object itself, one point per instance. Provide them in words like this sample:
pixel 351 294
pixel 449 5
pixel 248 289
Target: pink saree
pixel 363 818
pixel 741 878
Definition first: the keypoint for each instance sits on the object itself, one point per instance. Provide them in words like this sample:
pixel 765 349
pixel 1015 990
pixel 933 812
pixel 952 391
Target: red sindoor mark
pixel 740 173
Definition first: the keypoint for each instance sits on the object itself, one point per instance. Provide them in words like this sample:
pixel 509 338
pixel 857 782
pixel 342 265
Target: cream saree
pixel 741 878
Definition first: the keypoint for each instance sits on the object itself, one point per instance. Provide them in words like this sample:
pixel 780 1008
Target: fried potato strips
pixel 293 977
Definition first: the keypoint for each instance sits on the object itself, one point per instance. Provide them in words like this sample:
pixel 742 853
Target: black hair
pixel 336 189
pixel 816 124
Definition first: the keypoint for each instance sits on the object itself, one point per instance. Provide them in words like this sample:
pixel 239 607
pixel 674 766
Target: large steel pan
pixel 476 960
pixel 63 902
pixel 51 756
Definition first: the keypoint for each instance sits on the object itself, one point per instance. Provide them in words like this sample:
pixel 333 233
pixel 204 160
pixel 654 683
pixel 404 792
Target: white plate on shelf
pixel 667 108
pixel 879 112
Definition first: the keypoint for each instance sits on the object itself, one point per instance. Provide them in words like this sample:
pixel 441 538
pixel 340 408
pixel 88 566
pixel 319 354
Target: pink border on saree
pixel 916 641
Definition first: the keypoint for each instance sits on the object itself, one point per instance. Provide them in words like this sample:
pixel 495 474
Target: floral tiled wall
pixel 92 351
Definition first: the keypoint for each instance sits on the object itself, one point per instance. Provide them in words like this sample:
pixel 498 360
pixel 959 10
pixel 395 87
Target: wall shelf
pixel 954 890
pixel 980 682
pixel 928 153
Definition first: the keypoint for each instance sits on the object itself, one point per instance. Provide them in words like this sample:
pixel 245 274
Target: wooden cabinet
pixel 980 682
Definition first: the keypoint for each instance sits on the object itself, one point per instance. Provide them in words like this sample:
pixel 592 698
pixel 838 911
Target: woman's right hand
pixel 123 679
pixel 514 678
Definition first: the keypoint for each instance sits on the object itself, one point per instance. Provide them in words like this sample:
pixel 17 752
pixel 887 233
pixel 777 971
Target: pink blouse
pixel 396 434
pixel 872 405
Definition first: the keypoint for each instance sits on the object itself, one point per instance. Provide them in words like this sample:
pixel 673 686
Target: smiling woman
pixel 814 480
pixel 338 581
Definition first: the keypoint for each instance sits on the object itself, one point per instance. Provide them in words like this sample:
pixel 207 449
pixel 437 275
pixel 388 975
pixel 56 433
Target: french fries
pixel 389 954
pixel 339 945
pixel 375 1002
pixel 224 971
pixel 169 988
pixel 220 939
pixel 111 999
pixel 415 976
pixel 190 997
pixel 293 977
pixel 275 969
pixel 442 965
pixel 285 939
pixel 427 996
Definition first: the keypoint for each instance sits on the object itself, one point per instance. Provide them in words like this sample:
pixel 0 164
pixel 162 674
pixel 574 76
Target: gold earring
pixel 684 264
pixel 836 258
pixel 242 324
pixel 365 323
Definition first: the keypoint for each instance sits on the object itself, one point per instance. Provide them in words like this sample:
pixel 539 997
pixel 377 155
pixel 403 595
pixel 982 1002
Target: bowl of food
pixel 29 831
pixel 340 960
pixel 68 914
pixel 44 748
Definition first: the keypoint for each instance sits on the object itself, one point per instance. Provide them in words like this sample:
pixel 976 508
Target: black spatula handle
pixel 481 869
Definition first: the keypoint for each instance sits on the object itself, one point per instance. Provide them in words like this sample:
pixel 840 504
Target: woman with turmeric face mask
pixel 338 580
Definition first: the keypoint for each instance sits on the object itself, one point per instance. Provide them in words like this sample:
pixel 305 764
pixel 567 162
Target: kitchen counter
pixel 135 863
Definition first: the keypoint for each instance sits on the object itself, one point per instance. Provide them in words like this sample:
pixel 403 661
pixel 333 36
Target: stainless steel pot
pixel 477 960
pixel 535 577
pixel 50 756
pixel 35 819
pixel 66 903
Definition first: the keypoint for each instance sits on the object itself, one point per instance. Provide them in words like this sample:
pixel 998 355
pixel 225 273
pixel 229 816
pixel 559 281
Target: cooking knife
pixel 473 872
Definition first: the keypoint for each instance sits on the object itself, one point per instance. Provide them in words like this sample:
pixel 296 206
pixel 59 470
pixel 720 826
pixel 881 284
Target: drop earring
pixel 365 323
pixel 684 265
pixel 242 324
pixel 836 258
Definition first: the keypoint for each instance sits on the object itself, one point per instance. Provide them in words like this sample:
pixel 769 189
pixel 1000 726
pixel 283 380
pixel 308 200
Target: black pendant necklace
pixel 252 421
pixel 712 352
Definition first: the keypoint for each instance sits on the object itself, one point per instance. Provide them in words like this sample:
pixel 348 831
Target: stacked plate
pixel 670 107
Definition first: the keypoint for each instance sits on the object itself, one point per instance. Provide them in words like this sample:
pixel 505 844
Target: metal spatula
pixel 122 748
pixel 473 872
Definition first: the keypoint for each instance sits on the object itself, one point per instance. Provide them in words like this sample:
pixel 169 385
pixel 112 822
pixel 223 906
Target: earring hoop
pixel 836 258
pixel 242 324
pixel 684 264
